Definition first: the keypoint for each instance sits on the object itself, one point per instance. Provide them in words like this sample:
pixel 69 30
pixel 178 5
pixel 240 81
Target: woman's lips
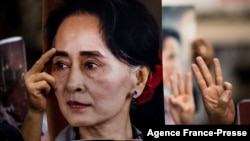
pixel 77 105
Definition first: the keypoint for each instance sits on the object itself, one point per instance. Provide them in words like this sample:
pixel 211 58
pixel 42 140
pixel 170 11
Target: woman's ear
pixel 141 79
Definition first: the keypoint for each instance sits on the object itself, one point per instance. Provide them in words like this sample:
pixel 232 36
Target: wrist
pixel 34 115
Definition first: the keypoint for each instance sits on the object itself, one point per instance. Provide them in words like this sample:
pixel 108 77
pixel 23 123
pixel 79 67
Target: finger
pixel 181 83
pixel 225 98
pixel 189 86
pixel 40 77
pixel 43 87
pixel 39 65
pixel 227 86
pixel 43 76
pixel 174 111
pixel 199 78
pixel 177 103
pixel 218 72
pixel 226 95
pixel 204 71
pixel 174 87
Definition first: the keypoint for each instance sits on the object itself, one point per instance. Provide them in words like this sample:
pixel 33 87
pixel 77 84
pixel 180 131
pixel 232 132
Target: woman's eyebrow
pixel 91 53
pixel 61 53
pixel 82 53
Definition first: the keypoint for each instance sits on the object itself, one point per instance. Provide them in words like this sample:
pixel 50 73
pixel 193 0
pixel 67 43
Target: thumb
pixel 177 103
pixel 225 98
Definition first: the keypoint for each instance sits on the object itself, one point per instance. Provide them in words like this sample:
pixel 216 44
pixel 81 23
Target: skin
pixel 86 79
pixel 182 105
pixel 38 84
pixel 89 79
pixel 74 67
pixel 181 102
pixel 216 94
pixel 169 56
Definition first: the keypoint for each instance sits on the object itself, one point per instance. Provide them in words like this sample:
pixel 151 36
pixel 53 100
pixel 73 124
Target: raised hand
pixel 216 94
pixel 182 106
pixel 38 83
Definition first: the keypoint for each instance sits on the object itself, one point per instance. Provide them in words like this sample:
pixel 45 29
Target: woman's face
pixel 92 86
pixel 169 57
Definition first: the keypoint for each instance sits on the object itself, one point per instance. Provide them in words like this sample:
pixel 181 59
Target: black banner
pixel 164 132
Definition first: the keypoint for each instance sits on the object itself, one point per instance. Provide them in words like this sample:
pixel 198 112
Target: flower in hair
pixel 154 80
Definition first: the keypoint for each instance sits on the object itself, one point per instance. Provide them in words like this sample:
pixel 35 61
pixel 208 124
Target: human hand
pixel 38 83
pixel 216 94
pixel 182 106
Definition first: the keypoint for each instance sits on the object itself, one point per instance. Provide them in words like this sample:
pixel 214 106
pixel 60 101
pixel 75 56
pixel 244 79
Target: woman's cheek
pixel 60 83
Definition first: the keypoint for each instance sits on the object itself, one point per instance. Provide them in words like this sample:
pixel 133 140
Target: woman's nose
pixel 75 81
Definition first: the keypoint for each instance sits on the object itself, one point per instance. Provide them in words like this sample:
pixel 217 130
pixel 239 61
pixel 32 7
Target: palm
pixel 182 105
pixel 211 97
pixel 215 107
pixel 216 94
pixel 182 114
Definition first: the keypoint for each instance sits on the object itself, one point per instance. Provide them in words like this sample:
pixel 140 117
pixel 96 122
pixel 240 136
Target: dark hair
pixel 168 32
pixel 129 29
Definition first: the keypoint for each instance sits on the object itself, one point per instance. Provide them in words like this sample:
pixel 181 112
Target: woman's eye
pixel 90 65
pixel 61 65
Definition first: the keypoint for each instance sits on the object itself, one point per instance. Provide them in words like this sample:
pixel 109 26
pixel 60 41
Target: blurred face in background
pixel 169 57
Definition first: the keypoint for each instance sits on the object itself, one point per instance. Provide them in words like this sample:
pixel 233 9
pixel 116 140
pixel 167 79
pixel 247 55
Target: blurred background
pixel 23 18
pixel 19 18
pixel 225 24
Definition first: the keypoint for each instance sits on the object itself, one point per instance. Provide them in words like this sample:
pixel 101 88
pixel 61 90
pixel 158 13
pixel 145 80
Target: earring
pixel 134 99
pixel 134 94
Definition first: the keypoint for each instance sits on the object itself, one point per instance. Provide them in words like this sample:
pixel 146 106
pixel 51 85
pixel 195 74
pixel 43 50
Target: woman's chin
pixel 79 122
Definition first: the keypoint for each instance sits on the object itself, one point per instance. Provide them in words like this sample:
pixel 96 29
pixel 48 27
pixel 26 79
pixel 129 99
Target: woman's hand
pixel 38 83
pixel 216 94
pixel 182 104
